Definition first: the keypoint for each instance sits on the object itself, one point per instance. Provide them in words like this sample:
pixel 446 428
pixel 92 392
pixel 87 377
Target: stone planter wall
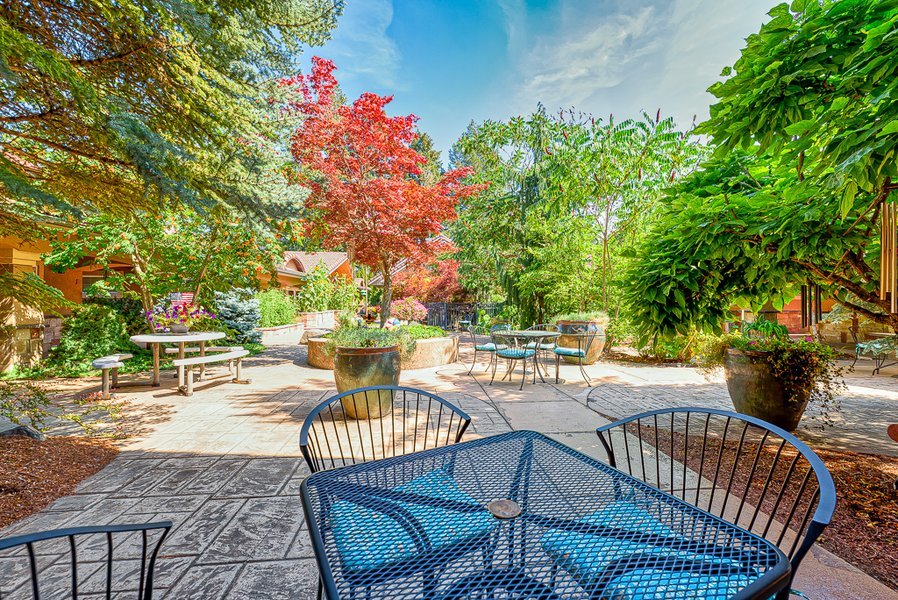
pixel 325 319
pixel 282 334
pixel 431 352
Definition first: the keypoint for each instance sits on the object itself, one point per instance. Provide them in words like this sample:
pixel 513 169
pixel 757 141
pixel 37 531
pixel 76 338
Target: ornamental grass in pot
pixel 772 377
pixel 364 357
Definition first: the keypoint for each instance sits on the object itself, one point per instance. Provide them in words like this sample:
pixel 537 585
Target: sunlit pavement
pixel 224 465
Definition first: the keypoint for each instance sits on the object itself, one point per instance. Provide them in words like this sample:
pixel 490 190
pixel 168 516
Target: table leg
pixel 536 363
pixel 155 382
pixel 202 367
pixel 180 369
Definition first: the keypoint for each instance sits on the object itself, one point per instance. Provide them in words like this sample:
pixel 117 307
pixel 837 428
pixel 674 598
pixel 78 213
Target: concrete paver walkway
pixel 224 465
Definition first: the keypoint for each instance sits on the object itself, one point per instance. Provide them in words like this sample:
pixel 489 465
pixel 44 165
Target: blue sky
pixel 453 61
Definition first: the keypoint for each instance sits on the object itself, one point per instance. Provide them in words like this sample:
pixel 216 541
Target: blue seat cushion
pixel 586 555
pixel 534 346
pixel 570 352
pixel 491 347
pixel 368 539
pixel 515 353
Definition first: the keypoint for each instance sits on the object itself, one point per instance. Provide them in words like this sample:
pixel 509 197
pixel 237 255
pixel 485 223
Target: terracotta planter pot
pixel 756 392
pixel 363 367
pixel 568 339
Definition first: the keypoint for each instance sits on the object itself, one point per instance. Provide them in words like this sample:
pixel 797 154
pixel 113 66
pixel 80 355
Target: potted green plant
pixel 570 325
pixel 367 356
pixel 771 376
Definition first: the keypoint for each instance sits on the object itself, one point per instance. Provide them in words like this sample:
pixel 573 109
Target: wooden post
pixel 155 346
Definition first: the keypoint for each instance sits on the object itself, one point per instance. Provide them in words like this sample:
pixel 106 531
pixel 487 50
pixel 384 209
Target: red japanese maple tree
pixel 433 282
pixel 359 166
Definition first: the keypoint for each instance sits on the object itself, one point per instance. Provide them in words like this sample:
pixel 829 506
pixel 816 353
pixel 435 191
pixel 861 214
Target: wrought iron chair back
pixel 734 466
pixel 543 327
pixel 416 420
pixel 85 540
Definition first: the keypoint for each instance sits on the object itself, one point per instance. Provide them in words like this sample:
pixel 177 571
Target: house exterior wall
pixel 21 326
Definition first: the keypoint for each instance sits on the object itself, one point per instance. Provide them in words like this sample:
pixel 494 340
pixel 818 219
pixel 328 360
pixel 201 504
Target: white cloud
pixel 568 69
pixel 622 56
pixel 362 46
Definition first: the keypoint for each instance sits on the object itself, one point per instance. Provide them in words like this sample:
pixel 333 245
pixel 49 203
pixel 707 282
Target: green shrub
pixel 91 332
pixel 275 308
pixel 344 295
pixel 238 311
pixel 423 332
pixel 319 292
pixel 314 295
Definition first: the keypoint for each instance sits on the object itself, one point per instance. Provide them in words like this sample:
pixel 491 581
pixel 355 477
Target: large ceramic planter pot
pixel 568 339
pixel 756 392
pixel 363 367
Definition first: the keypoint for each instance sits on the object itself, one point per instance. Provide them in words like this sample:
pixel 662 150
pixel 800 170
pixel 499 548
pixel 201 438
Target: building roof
pixel 305 262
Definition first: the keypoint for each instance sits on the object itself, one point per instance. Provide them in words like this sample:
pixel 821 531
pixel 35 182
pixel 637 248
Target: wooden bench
pixel 195 349
pixel 185 366
pixel 110 365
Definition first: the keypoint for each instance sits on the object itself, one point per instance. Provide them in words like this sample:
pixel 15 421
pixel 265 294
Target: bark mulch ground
pixel 864 528
pixel 33 474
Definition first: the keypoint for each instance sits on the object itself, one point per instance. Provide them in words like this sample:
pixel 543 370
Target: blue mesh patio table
pixel 537 338
pixel 521 516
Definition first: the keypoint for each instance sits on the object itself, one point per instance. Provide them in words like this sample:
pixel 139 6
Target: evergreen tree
pixel 110 106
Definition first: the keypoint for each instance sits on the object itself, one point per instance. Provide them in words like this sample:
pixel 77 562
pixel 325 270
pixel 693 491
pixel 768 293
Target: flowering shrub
pixel 185 314
pixel 408 309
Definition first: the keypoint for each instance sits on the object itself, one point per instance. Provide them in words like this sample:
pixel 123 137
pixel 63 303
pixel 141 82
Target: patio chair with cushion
pixel 417 420
pixel 584 344
pixel 513 349
pixel 733 466
pixel 879 350
pixel 96 572
pixel 476 331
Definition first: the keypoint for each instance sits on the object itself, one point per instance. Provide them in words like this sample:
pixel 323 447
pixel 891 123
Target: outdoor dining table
pixel 535 336
pixel 520 516
pixel 155 340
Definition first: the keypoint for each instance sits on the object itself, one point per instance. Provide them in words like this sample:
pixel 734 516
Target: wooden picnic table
pixel 155 340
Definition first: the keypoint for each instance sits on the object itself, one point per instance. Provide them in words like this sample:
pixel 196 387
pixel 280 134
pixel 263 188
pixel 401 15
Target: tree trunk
pixel 386 296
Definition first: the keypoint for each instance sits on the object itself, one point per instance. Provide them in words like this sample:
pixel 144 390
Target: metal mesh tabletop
pixel 519 516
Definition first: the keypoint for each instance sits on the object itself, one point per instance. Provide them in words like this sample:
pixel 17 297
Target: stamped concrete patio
pixel 224 465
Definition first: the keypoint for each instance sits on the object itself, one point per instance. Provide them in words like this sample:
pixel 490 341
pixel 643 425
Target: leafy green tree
pixel 139 104
pixel 177 251
pixel 806 134
pixel 568 196
pixel 432 170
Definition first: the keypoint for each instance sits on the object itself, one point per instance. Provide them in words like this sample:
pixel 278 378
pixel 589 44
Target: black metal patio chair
pixel 482 330
pixel 416 420
pixel 95 546
pixel 585 341
pixel 513 349
pixel 737 467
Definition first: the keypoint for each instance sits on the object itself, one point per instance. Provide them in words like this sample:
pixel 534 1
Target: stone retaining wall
pixel 282 334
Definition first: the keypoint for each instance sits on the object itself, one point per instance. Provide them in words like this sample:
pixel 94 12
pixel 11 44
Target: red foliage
pixel 358 164
pixel 434 282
